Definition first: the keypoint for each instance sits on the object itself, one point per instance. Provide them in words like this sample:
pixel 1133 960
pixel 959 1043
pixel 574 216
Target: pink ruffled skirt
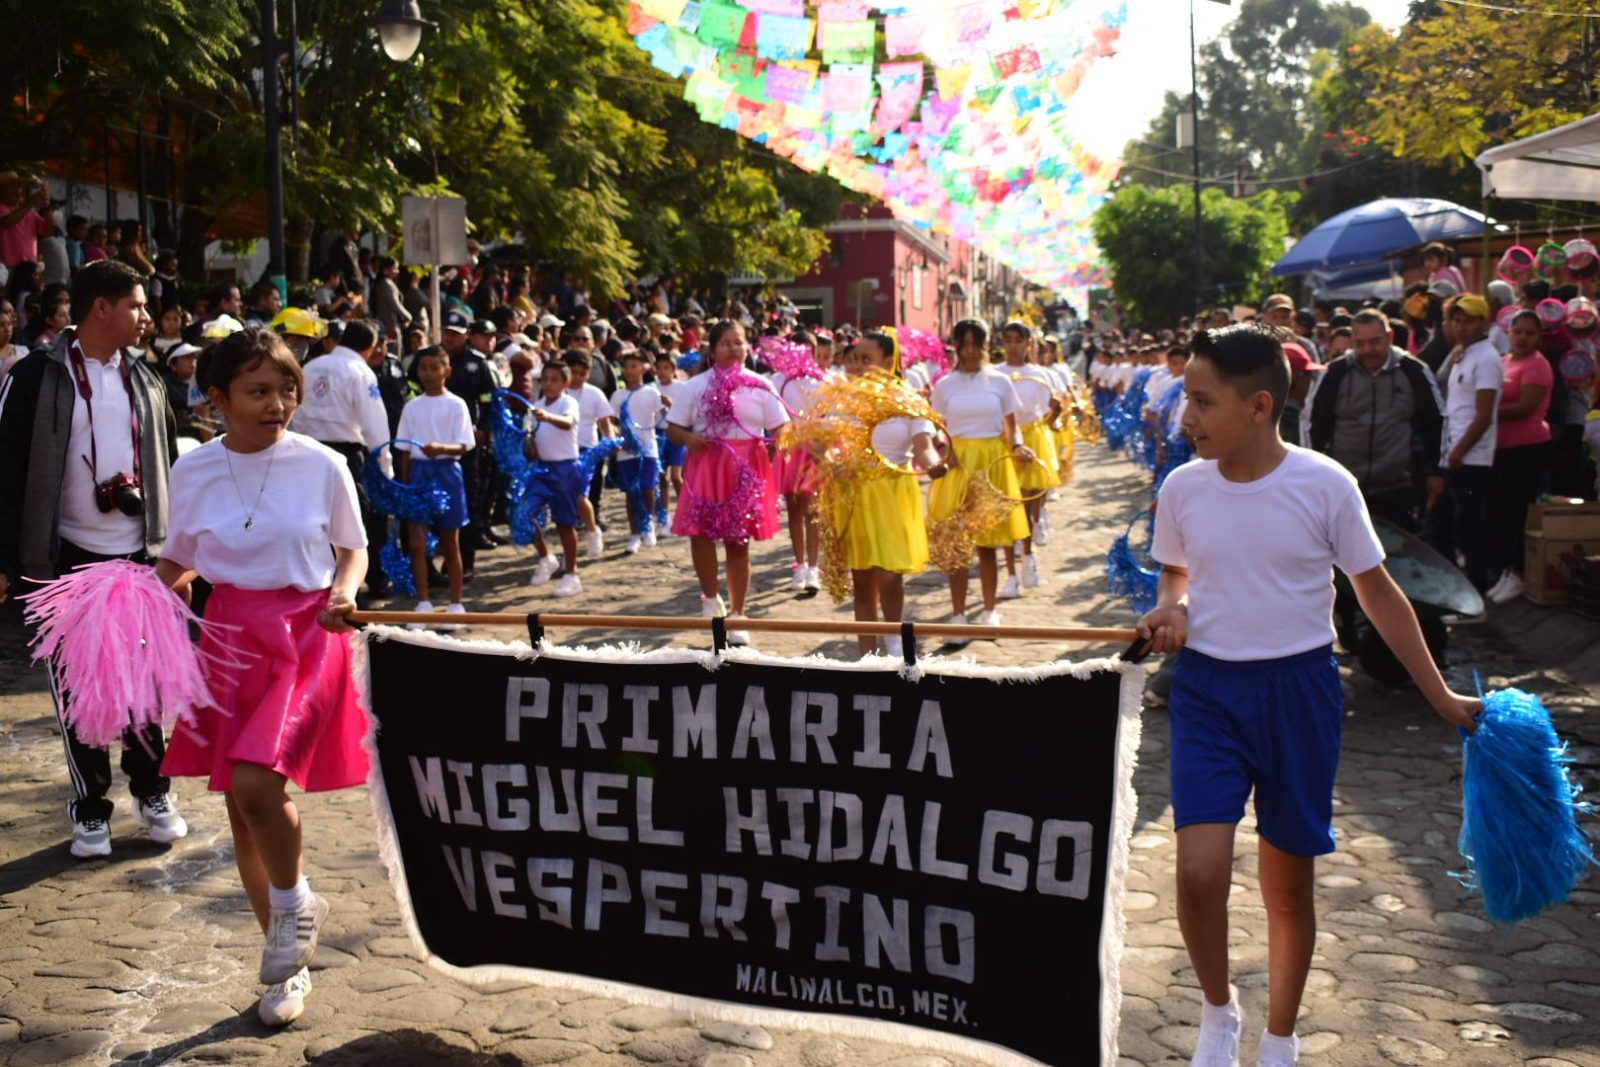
pixel 795 472
pixel 717 504
pixel 285 696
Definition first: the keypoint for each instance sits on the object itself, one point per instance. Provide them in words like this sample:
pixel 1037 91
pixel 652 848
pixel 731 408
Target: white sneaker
pixel 1041 532
pixel 1030 571
pixel 292 939
pixel 453 609
pixel 1220 1030
pixel 1278 1051
pixel 284 1002
pixel 91 838
pixel 957 618
pixel 797 577
pixel 813 579
pixel 1509 589
pixel 650 538
pixel 424 607
pixel 569 585
pixel 1494 590
pixel 634 543
pixel 1010 591
pixel 711 607
pixel 1053 495
pixel 892 646
pixel 160 818
pixel 987 618
pixel 544 570
pixel 594 542
pixel 738 637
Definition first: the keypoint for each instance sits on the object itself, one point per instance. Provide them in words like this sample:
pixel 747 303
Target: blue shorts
pixel 641 473
pixel 444 474
pixel 671 455
pixel 559 485
pixel 1271 724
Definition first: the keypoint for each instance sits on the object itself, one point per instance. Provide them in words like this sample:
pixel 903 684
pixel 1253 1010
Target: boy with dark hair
pixel 1253 529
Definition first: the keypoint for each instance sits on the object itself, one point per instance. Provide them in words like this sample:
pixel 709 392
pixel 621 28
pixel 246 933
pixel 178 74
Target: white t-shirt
pixel 1156 386
pixel 342 405
pixel 917 376
pixel 1478 368
pixel 1034 386
pixel 440 420
pixel 798 393
pixel 555 444
pixel 82 522
pixel 975 405
pixel 644 408
pixel 892 438
pixel 307 506
pixel 670 392
pixel 1261 554
pixel 757 408
pixel 592 407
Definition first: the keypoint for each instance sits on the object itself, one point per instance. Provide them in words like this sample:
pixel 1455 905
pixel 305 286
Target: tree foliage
pixel 1147 237
pixel 1253 83
pixel 1459 79
pixel 542 113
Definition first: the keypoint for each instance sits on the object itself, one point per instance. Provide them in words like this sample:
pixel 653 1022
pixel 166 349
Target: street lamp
pixel 400 26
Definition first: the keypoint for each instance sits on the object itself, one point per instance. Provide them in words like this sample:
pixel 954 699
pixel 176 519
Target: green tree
pixel 542 113
pixel 1459 79
pixel 1253 83
pixel 1147 238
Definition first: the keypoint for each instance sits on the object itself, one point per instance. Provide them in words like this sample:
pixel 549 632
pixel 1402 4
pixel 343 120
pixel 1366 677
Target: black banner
pixel 787 835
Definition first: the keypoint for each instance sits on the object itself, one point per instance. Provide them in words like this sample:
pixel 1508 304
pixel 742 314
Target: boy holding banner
pixel 1253 528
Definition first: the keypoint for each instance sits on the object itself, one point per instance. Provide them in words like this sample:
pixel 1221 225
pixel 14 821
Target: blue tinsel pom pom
pixel 1130 573
pixel 1519 825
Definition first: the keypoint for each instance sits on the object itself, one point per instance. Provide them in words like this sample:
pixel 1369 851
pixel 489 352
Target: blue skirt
pixel 444 474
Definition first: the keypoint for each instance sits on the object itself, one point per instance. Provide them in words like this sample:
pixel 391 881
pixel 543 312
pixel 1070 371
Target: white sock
pixel 1218 1013
pixel 292 899
pixel 1285 1049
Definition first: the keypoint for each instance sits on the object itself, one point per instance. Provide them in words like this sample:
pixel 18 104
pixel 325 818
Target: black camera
pixel 120 492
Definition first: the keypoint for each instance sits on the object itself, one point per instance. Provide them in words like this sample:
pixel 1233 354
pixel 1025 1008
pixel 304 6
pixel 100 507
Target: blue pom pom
pixel 1519 828
pixel 409 503
pixel 1130 573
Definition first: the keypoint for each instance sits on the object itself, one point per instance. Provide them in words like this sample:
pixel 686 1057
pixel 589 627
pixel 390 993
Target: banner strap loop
pixel 908 643
pixel 535 630
pixel 719 634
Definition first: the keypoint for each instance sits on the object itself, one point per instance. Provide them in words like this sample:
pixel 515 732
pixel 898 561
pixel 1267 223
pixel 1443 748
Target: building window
pixel 836 252
pixel 916 286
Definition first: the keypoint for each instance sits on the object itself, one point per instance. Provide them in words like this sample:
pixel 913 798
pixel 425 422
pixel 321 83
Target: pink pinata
pixel 119 642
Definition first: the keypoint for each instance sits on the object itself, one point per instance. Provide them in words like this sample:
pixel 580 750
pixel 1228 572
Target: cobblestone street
pixel 149 957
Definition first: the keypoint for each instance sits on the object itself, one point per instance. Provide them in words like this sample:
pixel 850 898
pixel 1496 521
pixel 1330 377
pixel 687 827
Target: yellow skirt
pixel 884 525
pixel 974 454
pixel 1045 470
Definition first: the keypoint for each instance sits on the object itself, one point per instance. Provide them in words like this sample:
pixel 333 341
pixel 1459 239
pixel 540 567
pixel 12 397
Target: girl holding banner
pixel 270 519
pixel 728 494
pixel 979 407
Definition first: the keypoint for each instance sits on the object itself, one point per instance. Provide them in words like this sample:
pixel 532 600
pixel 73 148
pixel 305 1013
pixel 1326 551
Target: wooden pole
pixel 788 626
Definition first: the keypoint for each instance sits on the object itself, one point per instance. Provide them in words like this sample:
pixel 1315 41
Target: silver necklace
pixel 249 512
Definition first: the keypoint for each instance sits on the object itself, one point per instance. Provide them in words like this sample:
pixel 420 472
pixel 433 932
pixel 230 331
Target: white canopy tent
pixel 1559 164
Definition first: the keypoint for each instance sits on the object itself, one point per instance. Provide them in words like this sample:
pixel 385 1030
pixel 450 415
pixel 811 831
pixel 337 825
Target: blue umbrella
pixel 1381 228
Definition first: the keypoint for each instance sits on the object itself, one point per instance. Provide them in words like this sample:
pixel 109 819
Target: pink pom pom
pixel 920 346
pixel 119 644
pixel 789 358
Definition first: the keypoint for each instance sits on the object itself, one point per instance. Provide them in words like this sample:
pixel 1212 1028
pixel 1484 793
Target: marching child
pixel 439 421
pixel 636 407
pixel 1248 535
pixel 594 422
pixel 554 416
pixel 270 519
pixel 670 456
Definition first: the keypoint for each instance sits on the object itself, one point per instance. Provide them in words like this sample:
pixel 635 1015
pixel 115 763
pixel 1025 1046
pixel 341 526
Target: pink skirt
pixel 796 472
pixel 290 704
pixel 714 505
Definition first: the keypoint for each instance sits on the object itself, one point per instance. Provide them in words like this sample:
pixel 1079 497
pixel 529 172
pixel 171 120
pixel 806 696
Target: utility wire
pixel 1524 10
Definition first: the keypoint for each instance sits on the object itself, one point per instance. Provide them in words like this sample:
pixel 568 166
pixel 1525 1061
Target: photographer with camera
pixel 88 438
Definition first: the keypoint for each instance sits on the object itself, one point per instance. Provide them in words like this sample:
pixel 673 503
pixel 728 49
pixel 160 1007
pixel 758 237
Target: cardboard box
pixel 1547 565
pixel 1565 519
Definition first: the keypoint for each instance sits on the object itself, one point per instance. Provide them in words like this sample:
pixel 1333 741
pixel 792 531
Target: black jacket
pixel 1374 424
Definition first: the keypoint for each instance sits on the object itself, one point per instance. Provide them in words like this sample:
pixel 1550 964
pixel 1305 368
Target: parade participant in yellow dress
pixel 1036 389
pixel 979 407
